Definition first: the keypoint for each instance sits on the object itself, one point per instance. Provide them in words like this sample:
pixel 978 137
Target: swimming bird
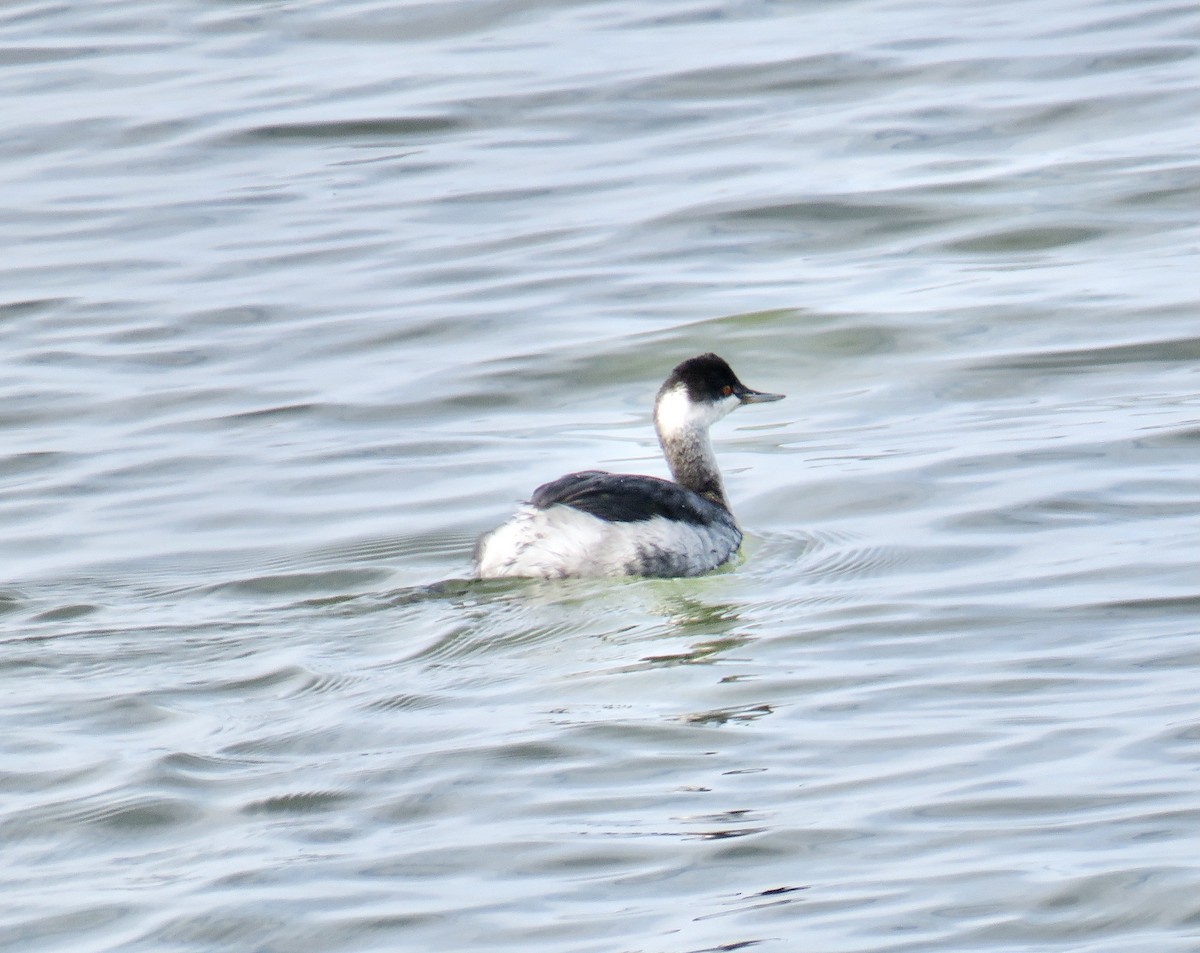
pixel 595 523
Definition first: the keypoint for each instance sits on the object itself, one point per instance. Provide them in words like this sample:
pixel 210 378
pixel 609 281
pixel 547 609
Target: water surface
pixel 299 298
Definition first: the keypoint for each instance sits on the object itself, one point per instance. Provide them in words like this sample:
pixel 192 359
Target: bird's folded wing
pixel 626 498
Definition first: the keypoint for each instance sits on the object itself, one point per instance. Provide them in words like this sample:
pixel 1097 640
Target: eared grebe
pixel 616 524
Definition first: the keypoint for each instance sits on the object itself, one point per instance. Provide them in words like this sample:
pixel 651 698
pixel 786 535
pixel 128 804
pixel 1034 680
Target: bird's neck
pixel 682 428
pixel 690 456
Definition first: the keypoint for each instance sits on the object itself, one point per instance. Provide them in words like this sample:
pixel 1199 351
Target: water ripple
pixel 300 300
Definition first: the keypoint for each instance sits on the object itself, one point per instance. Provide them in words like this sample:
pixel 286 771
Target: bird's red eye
pixel 726 390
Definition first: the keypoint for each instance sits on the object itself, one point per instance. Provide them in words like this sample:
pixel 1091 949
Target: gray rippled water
pixel 300 297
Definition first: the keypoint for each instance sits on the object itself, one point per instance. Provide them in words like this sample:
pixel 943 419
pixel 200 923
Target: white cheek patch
pixel 677 415
pixel 673 411
pixel 726 405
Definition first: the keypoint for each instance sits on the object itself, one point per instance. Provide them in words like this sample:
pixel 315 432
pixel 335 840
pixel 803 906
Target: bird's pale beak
pixel 748 396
